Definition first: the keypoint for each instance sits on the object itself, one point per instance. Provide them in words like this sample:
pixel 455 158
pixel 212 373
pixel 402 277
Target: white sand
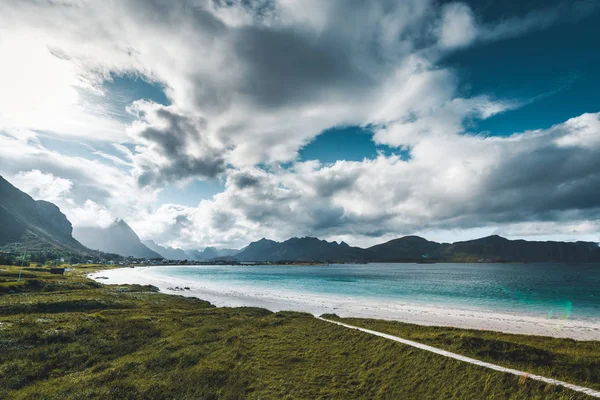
pixel 223 296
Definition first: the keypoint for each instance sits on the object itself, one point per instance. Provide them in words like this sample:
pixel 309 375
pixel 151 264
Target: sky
pixel 219 122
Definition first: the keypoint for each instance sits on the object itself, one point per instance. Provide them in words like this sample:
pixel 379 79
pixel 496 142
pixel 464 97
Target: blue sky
pixel 224 123
pixel 553 72
pixel 345 143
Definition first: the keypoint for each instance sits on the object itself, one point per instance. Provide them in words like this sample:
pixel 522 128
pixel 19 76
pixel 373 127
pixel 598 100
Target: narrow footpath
pixel 588 391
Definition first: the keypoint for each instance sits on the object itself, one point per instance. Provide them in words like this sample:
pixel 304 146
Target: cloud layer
pixel 516 184
pixel 250 84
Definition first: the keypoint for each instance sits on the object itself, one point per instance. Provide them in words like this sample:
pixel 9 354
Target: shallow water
pixel 546 290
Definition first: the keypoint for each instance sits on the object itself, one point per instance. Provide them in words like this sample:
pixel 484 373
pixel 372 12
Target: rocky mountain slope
pixel 118 238
pixel 34 226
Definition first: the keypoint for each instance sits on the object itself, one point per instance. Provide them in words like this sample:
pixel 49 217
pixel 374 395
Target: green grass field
pixel 564 359
pixel 67 337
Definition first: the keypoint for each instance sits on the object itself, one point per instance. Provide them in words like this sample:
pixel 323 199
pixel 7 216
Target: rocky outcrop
pixel 54 219
pixel 29 225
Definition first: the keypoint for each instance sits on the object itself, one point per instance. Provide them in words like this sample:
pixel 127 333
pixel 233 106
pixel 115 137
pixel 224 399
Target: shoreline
pixel 347 306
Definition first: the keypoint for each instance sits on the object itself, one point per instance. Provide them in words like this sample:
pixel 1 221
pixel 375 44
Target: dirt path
pixel 588 391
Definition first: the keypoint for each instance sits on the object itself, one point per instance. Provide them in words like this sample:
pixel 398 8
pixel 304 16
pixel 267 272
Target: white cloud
pixel 43 91
pixel 584 131
pixel 42 186
pixel 172 146
pixel 265 79
pixel 90 214
pixel 458 26
pixel 71 181
pixel 454 186
pixel 250 84
pixel 447 119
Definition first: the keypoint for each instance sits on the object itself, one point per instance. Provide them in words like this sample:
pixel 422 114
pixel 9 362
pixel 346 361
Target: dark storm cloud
pixel 327 219
pixel 181 142
pixel 546 179
pixel 243 180
pixel 182 168
pixel 332 185
pixel 288 66
pixel 293 64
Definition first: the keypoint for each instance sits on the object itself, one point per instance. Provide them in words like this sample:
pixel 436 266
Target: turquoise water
pixel 552 290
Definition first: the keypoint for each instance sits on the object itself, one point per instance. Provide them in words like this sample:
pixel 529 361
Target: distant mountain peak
pixel 494 238
pixel 299 249
pixel 414 237
pixel 121 222
pixel 118 238
pixel 169 253
pixel 211 252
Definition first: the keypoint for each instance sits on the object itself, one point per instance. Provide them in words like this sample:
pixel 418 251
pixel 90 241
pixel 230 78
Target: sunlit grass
pixel 70 337
pixel 564 359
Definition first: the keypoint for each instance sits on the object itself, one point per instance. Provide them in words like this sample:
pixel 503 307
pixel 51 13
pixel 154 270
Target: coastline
pixel 430 315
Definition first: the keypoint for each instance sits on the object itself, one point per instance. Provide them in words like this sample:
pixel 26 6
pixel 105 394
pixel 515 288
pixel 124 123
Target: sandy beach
pixel 223 296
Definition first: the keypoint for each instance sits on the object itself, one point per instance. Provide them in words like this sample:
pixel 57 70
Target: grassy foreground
pixel 568 360
pixel 69 337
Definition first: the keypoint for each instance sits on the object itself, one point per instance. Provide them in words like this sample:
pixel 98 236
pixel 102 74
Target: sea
pixel 538 289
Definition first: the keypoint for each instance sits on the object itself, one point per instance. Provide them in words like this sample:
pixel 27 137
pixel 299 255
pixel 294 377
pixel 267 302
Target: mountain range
pixel 211 253
pixel 172 253
pixel 417 249
pixel 300 249
pixel 40 227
